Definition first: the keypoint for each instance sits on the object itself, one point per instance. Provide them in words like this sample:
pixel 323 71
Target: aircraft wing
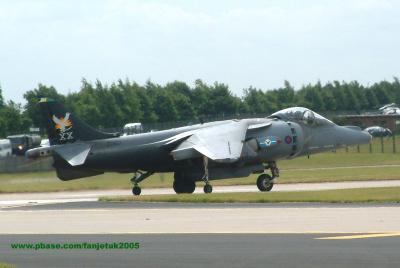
pixel 221 143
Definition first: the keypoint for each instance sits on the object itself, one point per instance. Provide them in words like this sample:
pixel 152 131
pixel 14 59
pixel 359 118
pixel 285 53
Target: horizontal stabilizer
pixel 74 153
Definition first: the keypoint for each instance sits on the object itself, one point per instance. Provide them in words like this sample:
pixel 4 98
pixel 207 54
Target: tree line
pixel 108 106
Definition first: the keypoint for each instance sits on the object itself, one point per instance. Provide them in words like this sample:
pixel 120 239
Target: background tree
pixel 32 98
pixel 112 106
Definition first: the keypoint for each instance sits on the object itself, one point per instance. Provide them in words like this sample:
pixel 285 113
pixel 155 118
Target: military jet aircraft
pixel 202 152
pixel 390 109
pixel 378 131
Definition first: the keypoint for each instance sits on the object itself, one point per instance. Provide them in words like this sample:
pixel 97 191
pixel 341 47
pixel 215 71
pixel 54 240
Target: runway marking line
pixel 358 236
pixel 190 233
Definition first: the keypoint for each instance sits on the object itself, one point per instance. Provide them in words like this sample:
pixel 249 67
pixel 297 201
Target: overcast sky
pixel 240 43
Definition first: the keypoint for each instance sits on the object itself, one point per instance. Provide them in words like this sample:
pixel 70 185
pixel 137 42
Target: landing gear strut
pixel 208 187
pixel 139 176
pixel 265 182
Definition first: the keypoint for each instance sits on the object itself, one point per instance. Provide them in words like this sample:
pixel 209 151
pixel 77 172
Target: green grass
pixel 6 265
pixel 376 146
pixel 292 171
pixel 385 194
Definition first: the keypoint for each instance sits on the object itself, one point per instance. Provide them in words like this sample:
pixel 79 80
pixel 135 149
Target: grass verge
pixel 292 171
pixel 384 194
pixel 6 265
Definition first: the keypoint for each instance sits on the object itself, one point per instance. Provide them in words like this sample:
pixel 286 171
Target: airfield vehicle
pixel 202 152
pixel 5 148
pixel 132 128
pixel 44 143
pixel 21 143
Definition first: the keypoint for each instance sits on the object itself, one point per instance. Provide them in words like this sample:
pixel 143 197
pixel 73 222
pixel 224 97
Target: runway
pixel 139 218
pixel 204 235
pixel 22 199
pixel 206 250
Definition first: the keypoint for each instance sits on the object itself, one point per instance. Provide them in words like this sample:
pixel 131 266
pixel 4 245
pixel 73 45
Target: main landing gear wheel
pixel 264 183
pixel 136 190
pixel 184 187
pixel 190 186
pixel 207 188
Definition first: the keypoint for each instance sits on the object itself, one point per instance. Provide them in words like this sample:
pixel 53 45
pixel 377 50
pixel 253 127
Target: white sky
pixel 240 43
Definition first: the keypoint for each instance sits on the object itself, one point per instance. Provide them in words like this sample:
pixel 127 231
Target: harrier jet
pixel 202 152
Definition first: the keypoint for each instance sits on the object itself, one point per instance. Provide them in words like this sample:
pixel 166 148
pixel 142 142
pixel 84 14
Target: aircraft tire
pixel 264 183
pixel 136 190
pixel 207 189
pixel 177 187
pixel 190 186
pixel 184 187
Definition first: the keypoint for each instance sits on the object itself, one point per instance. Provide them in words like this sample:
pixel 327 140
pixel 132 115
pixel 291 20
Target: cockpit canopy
pixel 301 114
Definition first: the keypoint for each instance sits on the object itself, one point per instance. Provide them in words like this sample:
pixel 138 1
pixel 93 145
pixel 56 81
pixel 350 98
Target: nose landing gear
pixel 265 182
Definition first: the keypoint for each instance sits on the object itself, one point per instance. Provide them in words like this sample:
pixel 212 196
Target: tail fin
pixel 63 127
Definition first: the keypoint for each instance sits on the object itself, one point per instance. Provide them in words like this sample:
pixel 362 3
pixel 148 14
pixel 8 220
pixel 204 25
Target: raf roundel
pixel 288 139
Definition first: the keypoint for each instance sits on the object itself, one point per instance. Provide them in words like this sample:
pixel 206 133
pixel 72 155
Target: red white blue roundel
pixel 265 142
pixel 288 139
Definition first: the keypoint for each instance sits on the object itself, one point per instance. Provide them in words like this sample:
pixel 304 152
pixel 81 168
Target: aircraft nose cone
pixel 350 136
pixel 359 137
pixel 367 138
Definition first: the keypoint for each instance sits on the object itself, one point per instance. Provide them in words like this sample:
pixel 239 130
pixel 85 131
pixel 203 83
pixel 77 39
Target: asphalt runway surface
pixel 206 250
pixel 156 218
pixel 203 235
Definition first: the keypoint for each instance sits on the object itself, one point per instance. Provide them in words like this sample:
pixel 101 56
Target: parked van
pixel 5 148
pixel 45 143
pixel 21 143
pixel 132 128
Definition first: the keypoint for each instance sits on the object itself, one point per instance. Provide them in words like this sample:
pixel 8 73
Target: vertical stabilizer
pixel 63 127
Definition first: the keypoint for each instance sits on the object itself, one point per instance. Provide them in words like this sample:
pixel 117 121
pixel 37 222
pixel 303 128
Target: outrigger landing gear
pixel 208 187
pixel 136 190
pixel 139 176
pixel 265 182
